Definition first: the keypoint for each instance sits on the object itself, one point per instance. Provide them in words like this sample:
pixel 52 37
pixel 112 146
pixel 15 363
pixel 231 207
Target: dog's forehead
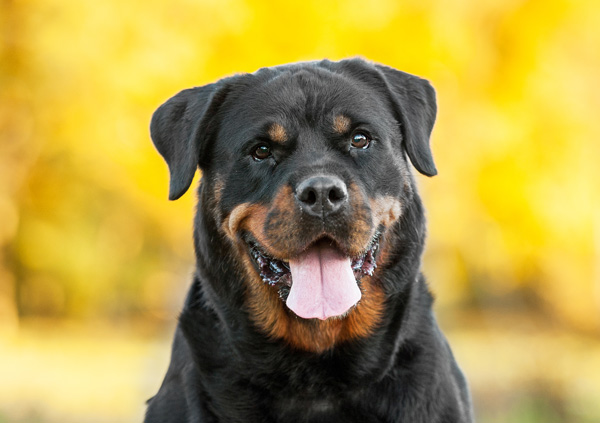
pixel 306 88
pixel 302 96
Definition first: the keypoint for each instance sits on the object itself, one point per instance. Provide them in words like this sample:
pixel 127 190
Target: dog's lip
pixel 251 242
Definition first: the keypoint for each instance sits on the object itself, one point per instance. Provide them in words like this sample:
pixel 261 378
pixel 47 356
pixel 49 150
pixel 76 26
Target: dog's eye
pixel 361 140
pixel 261 152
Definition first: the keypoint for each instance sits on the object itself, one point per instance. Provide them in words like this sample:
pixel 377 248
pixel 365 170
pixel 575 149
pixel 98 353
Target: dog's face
pixel 304 176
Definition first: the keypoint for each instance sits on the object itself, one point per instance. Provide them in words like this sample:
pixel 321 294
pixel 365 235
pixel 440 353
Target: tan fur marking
pixel 341 124
pixel 284 224
pixel 362 231
pixel 269 313
pixel 277 133
pixel 284 200
pixel 367 314
pixel 245 216
pixel 385 210
pixel 272 315
pixel 275 319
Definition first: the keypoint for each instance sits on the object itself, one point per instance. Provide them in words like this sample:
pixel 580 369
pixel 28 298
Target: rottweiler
pixel 307 302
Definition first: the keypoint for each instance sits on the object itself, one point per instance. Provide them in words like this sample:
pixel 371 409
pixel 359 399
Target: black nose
pixel 322 195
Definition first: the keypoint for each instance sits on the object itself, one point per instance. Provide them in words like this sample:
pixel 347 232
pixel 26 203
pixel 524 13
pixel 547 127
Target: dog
pixel 307 302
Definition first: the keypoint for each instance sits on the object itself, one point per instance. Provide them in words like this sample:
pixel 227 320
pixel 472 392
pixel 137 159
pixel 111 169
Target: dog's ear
pixel 414 99
pixel 180 130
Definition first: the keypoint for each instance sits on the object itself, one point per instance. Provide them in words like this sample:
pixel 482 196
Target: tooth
pixel 275 267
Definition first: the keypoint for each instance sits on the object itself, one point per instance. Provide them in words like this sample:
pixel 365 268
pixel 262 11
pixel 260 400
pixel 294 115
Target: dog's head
pixel 305 173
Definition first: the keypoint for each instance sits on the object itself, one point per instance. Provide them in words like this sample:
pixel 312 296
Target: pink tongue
pixel 323 283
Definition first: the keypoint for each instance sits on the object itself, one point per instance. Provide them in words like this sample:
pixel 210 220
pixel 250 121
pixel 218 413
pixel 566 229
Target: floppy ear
pixel 414 99
pixel 180 129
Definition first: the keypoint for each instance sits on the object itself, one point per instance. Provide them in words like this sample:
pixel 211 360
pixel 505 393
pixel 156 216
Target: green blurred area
pixel 94 261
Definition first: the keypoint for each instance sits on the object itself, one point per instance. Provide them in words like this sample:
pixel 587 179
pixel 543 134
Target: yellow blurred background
pixel 94 261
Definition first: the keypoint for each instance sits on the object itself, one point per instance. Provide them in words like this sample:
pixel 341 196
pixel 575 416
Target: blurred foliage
pixel 86 232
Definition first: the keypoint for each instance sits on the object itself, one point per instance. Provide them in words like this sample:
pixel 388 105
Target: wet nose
pixel 322 195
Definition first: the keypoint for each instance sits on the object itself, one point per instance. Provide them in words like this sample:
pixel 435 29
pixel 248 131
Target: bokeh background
pixel 94 261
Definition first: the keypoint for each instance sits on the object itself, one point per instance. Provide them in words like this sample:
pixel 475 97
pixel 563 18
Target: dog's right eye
pixel 261 152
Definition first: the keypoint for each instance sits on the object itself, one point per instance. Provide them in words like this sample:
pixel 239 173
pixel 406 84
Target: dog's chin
pixel 277 273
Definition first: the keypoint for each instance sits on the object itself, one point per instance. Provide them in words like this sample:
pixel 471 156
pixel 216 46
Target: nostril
pixel 336 195
pixel 310 197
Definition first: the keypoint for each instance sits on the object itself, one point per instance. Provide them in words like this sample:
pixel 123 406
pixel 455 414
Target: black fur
pixel 225 369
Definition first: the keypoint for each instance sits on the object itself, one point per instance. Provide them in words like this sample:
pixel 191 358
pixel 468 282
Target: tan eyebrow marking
pixel 277 133
pixel 341 124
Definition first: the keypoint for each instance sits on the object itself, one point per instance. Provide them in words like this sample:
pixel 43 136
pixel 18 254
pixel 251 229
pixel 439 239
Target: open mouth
pixel 321 282
pixel 274 271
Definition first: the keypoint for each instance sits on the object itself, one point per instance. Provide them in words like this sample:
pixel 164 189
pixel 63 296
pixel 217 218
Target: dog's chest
pixel 307 407
pixel 318 409
pixel 296 409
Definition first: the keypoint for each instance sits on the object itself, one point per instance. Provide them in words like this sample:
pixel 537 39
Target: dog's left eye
pixel 361 140
pixel 261 152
